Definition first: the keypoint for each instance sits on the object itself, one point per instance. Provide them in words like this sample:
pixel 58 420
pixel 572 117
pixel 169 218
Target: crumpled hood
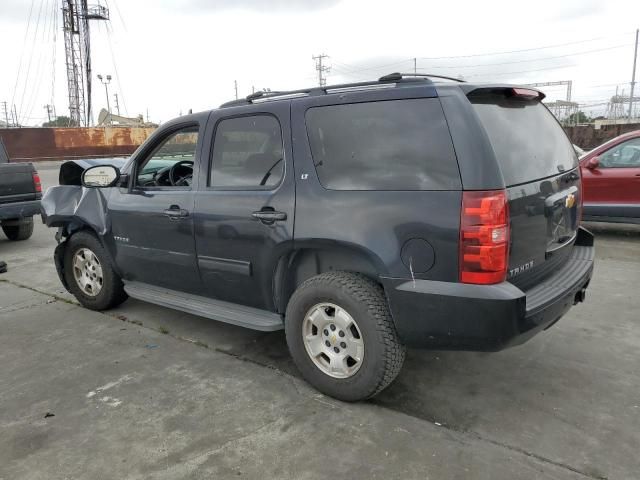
pixel 74 207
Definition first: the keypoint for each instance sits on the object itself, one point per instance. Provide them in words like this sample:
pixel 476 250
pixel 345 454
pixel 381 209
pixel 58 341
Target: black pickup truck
pixel 20 193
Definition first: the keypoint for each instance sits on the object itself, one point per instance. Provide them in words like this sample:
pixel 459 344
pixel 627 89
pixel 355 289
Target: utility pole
pixel 48 107
pixel 106 83
pixel 633 77
pixel 415 66
pixel 6 113
pixel 14 114
pixel 115 101
pixel 235 84
pixel 322 69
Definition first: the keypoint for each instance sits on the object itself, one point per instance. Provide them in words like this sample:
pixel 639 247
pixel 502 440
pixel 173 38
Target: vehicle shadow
pixel 613 230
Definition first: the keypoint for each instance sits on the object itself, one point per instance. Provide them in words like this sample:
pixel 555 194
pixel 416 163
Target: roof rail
pixel 393 77
pixel 261 95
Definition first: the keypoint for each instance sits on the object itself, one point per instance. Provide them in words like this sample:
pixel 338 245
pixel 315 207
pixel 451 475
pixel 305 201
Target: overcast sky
pixel 168 56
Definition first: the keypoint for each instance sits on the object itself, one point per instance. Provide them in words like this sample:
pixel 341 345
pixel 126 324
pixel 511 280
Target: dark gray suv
pixel 361 218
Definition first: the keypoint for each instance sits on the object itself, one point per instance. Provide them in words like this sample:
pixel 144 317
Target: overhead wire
pixel 24 45
pixel 26 82
pixel 349 70
pixel 109 29
pixel 45 40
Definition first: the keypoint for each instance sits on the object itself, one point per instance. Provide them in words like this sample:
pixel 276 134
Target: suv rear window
pixel 387 145
pixel 528 142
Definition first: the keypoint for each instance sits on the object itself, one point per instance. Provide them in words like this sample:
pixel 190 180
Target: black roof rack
pixel 382 81
pixel 393 77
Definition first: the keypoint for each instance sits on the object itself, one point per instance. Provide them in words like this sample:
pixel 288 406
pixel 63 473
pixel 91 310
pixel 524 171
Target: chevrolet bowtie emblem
pixel 570 200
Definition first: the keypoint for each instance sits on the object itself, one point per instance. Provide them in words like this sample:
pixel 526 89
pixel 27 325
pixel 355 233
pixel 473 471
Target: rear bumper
pixel 17 210
pixel 456 316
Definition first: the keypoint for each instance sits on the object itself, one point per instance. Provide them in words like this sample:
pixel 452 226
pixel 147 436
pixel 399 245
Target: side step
pixel 240 315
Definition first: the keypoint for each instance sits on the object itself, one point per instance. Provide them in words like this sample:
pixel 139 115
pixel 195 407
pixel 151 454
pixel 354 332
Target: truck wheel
pixel 21 231
pixel 341 336
pixel 89 274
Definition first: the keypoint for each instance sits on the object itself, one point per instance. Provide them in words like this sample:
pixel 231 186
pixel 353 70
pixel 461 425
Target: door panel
pixel 614 186
pixel 152 219
pixel 244 222
pixel 151 246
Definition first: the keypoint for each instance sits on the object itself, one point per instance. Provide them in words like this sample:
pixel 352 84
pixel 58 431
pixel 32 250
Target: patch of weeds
pixel 136 322
pixel 164 330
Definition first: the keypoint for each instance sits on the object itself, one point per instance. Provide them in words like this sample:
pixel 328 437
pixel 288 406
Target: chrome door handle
pixel 269 215
pixel 175 212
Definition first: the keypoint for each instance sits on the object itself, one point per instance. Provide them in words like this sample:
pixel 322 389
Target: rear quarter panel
pixel 374 223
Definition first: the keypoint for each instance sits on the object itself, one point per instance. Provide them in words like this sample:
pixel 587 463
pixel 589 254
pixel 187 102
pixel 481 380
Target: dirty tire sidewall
pixel 112 292
pixel 22 231
pixel 365 301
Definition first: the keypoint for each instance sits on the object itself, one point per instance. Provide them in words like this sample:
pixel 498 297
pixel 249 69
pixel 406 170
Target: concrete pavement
pixel 143 391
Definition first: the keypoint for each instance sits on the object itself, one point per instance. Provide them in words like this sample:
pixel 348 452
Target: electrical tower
pixel 77 45
pixel 322 69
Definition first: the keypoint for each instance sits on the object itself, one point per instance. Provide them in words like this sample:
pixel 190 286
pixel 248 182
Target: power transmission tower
pixel 77 46
pixel 322 69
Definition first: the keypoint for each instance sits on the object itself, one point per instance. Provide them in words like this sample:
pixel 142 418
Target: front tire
pixel 342 337
pixel 90 275
pixel 21 231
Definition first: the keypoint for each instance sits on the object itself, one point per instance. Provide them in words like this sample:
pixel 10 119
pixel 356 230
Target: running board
pixel 240 315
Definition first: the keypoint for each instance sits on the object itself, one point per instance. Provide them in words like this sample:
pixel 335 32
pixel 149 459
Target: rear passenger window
pixel 388 145
pixel 247 153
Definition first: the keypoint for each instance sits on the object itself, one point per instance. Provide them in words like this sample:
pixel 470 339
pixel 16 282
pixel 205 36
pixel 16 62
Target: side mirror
pixel 101 176
pixel 593 163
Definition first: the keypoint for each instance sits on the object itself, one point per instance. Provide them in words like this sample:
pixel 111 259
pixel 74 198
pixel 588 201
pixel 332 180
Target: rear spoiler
pixel 508 91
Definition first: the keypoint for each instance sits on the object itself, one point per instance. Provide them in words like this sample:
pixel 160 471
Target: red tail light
pixel 484 237
pixel 36 182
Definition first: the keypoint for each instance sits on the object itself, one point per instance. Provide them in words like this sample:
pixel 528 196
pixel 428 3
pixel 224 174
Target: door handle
pixel 174 212
pixel 269 216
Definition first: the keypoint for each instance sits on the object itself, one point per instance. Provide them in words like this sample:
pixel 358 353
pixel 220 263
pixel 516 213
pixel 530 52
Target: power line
pixel 524 49
pixel 349 70
pixel 26 81
pixel 47 33
pixel 24 46
pixel 506 74
pixel 533 59
pixel 109 29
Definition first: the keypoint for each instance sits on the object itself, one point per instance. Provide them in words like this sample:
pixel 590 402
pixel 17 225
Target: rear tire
pixel 21 231
pixel 316 317
pixel 90 275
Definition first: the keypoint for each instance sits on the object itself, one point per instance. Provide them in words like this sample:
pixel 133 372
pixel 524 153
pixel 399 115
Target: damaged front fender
pixel 74 207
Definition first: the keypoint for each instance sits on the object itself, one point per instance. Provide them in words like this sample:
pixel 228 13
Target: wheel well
pixel 302 264
pixel 68 230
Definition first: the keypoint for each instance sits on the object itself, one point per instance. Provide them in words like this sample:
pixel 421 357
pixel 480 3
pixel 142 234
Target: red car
pixel 611 180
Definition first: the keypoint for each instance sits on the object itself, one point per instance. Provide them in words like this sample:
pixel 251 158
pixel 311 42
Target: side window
pixel 625 155
pixel 247 153
pixel 387 145
pixel 170 164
